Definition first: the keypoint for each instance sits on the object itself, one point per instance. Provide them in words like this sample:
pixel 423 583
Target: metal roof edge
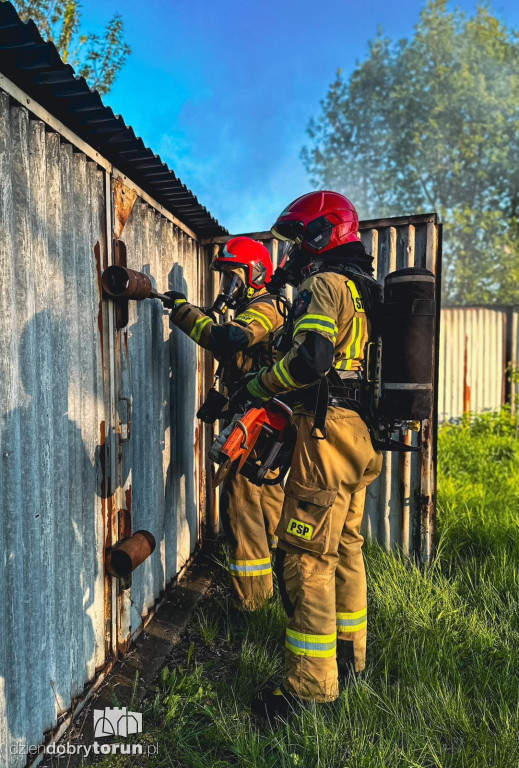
pixel 36 67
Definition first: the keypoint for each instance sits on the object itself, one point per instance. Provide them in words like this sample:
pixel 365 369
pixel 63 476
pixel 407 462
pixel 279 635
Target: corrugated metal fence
pixel 400 504
pixel 477 346
pixel 53 403
pixel 73 390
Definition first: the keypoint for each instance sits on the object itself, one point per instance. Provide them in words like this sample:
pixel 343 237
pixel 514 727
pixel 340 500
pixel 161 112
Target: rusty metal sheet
pixel 476 345
pixel 52 220
pixel 512 383
pixel 160 373
pixel 77 472
pixel 400 504
pixel 124 198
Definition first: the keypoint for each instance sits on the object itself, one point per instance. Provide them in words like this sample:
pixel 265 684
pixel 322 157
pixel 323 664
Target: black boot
pixel 273 703
pixel 346 661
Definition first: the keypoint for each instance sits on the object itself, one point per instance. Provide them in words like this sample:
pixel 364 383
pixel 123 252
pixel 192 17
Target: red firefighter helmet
pixel 249 254
pixel 318 221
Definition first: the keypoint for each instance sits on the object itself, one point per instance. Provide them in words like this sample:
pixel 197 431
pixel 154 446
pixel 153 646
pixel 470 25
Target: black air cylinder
pixel 408 342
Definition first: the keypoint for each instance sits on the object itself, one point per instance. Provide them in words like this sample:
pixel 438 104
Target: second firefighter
pixel 250 514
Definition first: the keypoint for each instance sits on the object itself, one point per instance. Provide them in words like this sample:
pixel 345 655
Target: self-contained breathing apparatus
pixel 395 391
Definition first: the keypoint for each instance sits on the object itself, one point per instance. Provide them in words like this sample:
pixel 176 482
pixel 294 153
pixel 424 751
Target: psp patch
pixel 302 530
pixel 245 318
pixel 302 303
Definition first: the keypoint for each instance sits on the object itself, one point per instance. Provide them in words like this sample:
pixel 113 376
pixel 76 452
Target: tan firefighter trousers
pixel 250 515
pixel 321 566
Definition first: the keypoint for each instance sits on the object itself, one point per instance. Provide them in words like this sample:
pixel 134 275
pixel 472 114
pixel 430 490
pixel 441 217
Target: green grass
pixel 442 685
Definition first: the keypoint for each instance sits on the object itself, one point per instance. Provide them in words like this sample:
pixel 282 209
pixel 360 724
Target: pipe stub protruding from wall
pixel 125 556
pixel 123 283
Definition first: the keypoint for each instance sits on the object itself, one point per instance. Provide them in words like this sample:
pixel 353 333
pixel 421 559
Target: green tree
pixel 98 59
pixel 432 123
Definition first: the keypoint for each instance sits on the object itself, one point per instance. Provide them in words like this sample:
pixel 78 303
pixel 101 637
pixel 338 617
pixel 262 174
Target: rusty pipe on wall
pixel 123 283
pixel 125 556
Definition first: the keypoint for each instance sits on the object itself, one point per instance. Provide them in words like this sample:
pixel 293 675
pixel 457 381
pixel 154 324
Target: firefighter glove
pixel 175 300
pixel 254 386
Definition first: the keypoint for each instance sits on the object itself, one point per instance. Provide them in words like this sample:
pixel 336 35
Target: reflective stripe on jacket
pixel 248 332
pixel 332 330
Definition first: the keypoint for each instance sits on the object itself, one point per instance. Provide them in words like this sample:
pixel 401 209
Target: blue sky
pixel 223 90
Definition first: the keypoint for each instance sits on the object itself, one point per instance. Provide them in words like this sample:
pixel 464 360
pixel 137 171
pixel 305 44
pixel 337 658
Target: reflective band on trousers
pixel 250 567
pixel 322 646
pixel 352 622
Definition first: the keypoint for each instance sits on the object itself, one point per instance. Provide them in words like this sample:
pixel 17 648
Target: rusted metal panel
pixel 52 219
pixel 124 198
pixel 400 504
pixel 476 345
pixel 513 358
pixel 78 472
pixel 160 376
pixel 212 495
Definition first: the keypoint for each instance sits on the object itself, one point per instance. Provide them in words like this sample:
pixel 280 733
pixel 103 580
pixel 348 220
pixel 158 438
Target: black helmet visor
pixel 288 230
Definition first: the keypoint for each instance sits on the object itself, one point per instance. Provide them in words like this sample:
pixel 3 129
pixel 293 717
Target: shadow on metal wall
pixel 44 552
pixel 184 402
pixel 156 466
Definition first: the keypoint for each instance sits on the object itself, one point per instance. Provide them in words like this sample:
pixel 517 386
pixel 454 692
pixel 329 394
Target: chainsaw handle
pixel 245 431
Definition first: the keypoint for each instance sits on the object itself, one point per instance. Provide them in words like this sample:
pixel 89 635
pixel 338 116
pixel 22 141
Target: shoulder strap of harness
pixel 370 289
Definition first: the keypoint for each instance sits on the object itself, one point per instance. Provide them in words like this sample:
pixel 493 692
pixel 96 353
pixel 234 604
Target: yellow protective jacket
pixel 244 341
pixel 331 329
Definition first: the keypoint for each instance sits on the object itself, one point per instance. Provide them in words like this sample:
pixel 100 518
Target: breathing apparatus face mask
pixel 232 291
pixel 296 258
pixel 291 271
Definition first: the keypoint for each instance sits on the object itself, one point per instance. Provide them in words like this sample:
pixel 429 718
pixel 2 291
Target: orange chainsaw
pixel 256 443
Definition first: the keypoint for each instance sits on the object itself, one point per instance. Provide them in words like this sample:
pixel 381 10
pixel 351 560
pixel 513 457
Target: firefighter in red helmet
pixel 320 564
pixel 249 513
